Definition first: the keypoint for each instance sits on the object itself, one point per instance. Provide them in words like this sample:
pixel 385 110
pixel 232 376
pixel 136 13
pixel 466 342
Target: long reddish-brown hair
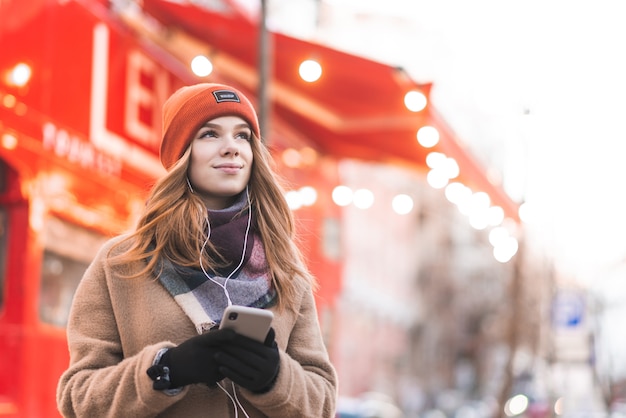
pixel 173 225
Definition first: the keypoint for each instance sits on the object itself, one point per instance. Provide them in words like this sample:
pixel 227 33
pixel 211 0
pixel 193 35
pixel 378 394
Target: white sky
pixel 489 60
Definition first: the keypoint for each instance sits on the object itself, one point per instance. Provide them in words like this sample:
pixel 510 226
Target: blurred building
pixel 425 312
pixel 478 329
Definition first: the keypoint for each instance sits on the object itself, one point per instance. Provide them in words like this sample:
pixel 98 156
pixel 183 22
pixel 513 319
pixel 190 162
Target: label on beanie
pixel 225 96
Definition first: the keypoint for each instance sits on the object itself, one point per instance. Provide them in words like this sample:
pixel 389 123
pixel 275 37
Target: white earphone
pixel 243 254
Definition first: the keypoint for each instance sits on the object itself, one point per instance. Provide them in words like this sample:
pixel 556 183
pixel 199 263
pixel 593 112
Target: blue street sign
pixel 568 309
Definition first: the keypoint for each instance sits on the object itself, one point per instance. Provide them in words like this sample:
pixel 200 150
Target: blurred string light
pixel 495 215
pixel 294 200
pixel 505 245
pixel 526 213
pixel 294 158
pixel 342 195
pixel 305 196
pixel 428 136
pixel 482 214
pixel 291 158
pixel 201 66
pixel 309 195
pixel 415 101
pixel 402 204
pixel 437 179
pixel 8 141
pixel 308 156
pixel 475 205
pixel 516 405
pixel 19 75
pixel 310 70
pixel 363 198
pixel 443 169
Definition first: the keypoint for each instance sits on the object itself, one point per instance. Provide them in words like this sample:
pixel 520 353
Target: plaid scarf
pixel 202 299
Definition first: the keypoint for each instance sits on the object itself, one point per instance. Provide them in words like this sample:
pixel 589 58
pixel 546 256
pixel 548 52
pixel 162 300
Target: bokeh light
pixel 201 66
pixel 402 204
pixel 310 70
pixel 415 101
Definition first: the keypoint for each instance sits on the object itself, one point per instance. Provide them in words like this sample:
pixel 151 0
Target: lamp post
pixel 264 63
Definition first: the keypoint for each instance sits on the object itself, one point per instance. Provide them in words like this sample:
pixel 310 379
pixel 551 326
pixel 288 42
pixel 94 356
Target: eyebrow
pixel 243 125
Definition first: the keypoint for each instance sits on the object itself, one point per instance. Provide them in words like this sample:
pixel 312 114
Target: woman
pixel 216 230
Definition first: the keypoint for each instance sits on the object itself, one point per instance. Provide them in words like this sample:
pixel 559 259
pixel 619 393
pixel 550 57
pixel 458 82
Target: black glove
pixel 193 360
pixel 249 363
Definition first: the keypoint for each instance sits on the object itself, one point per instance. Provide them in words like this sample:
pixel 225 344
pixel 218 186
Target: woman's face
pixel 221 160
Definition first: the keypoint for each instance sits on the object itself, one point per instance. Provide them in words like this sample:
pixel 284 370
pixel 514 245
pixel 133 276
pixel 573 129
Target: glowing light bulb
pixel 415 101
pixel 428 136
pixel 402 204
pixel 20 75
pixel 310 70
pixel 363 198
pixel 201 66
pixel 342 195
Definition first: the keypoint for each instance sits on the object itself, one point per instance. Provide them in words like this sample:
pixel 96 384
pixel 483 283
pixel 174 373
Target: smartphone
pixel 251 322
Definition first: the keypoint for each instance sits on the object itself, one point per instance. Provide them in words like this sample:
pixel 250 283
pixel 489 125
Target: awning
pixel 355 110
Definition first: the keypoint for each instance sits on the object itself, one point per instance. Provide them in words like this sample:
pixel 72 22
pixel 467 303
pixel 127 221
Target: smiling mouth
pixel 229 168
pixel 232 166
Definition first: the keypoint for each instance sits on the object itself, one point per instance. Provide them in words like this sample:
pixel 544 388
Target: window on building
pixel 68 251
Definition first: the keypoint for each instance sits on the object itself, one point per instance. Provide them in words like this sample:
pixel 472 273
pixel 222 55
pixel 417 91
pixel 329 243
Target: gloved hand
pixel 249 363
pixel 193 360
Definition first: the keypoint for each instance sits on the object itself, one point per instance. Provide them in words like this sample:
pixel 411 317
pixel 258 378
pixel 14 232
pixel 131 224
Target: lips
pixel 229 168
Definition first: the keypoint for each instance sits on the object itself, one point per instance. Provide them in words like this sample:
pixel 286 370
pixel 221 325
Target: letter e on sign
pixel 147 86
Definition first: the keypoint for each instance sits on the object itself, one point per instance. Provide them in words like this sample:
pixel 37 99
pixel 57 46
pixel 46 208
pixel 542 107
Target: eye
pixel 245 135
pixel 207 133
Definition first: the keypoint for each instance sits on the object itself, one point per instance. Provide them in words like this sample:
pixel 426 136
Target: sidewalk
pixel 581 396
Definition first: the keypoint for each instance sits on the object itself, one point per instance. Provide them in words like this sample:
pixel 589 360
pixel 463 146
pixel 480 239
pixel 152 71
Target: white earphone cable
pixel 243 254
pixel 233 398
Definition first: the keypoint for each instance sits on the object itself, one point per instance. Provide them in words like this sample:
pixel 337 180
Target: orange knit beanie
pixel 190 107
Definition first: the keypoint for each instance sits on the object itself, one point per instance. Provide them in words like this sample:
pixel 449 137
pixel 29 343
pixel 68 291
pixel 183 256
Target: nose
pixel 231 147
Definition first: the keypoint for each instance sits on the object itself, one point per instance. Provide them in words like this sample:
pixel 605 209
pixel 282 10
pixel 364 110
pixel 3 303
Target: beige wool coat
pixel 117 325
